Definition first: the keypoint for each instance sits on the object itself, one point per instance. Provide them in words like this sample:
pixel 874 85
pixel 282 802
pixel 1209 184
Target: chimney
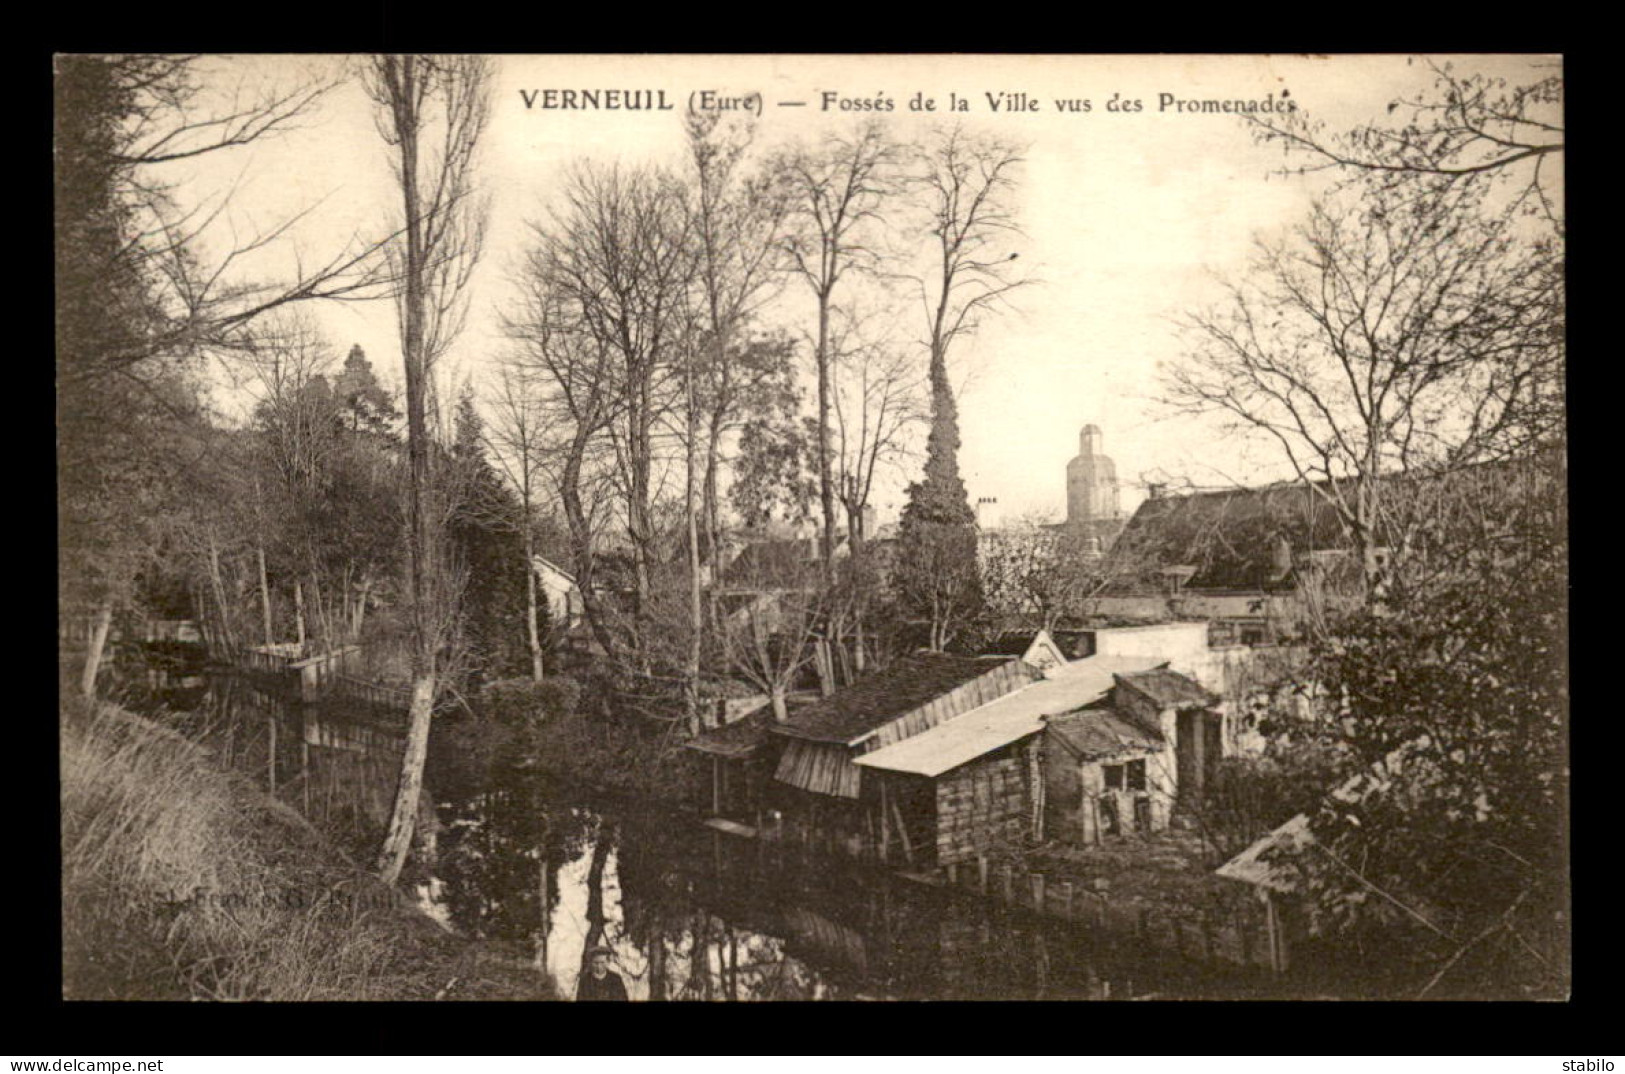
pixel 866 521
pixel 1155 489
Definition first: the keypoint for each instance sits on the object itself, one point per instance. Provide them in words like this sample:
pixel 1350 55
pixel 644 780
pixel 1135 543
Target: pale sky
pixel 1125 214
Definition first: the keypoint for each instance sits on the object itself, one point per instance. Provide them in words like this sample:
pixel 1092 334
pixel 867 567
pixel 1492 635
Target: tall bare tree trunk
pixel 409 89
pixel 696 607
pixel 533 632
pixel 404 103
pixel 216 580
pixel 826 486
pixel 398 839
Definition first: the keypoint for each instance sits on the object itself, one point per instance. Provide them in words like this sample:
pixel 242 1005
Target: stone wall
pixel 985 805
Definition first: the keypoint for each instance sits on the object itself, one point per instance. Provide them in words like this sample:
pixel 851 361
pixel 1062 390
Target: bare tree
pixel 878 404
pixel 570 373
pixel 770 623
pixel 1461 129
pixel 967 184
pixel 1038 574
pixel 431 111
pixel 518 439
pixel 736 217
pixel 1407 334
pixel 617 268
pixel 836 191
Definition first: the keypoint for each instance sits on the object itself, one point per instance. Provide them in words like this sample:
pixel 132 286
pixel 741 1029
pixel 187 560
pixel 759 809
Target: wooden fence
pixel 1245 934
pixel 74 630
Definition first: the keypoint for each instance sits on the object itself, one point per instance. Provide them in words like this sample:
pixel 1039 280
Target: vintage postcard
pixel 812 527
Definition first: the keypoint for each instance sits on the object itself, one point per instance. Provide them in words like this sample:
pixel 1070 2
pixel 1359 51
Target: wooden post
pixel 953 874
pixel 885 824
pixel 1277 934
pixel 1038 892
pixel 1009 883
pixel 716 785
pixel 270 754
pixel 902 831
pixel 1067 905
pixel 981 873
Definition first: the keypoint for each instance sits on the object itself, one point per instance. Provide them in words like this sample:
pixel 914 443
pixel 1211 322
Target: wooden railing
pixel 382 695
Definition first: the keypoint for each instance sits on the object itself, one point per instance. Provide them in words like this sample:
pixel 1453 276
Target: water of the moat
pixel 689 912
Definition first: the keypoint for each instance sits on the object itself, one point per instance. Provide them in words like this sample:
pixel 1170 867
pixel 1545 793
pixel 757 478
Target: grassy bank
pixel 181 880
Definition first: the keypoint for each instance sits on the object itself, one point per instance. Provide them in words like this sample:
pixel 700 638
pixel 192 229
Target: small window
pixel 1114 777
pixel 1136 775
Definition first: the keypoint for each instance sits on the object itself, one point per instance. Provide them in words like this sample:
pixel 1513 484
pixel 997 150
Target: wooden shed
pixel 821 786
pixel 979 772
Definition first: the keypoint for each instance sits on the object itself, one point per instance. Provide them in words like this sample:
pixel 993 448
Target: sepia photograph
pixel 802 527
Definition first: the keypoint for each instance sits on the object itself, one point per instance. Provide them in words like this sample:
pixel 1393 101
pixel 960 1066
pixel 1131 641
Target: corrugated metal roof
pixel 1103 732
pixel 1005 720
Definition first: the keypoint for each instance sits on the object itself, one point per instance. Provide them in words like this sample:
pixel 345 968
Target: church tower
pixel 1091 485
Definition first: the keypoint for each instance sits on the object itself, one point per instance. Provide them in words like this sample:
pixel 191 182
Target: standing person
pixel 598 982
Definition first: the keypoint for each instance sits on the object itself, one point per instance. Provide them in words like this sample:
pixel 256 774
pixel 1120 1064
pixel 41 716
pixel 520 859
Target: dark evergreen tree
pixel 367 405
pixel 488 543
pixel 938 587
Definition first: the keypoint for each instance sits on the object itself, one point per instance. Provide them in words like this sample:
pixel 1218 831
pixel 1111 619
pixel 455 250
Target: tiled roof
pixel 1233 538
pixel 875 700
pixel 1102 732
pixel 1169 689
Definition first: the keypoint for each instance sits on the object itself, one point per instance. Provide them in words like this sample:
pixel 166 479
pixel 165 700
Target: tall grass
pixel 181 881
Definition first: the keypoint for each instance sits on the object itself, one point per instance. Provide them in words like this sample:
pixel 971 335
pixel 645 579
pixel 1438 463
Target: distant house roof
pixel 538 562
pixel 1003 721
pixel 1102 732
pixel 1235 538
pixel 853 712
pixel 778 560
pixel 1169 689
